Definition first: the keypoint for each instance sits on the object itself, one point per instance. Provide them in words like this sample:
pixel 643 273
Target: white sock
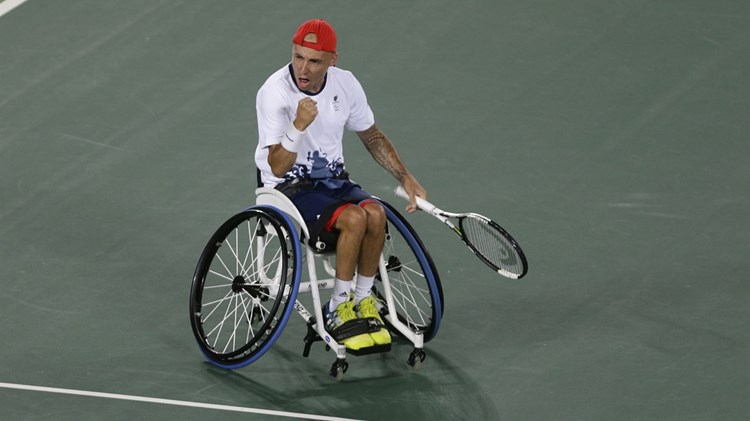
pixel 341 290
pixel 364 287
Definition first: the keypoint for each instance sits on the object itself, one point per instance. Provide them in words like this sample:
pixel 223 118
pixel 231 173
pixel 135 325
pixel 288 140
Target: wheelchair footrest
pixel 356 327
pixel 375 349
pixel 345 331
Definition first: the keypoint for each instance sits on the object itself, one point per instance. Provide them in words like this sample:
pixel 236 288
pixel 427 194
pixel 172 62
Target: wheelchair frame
pixel 243 298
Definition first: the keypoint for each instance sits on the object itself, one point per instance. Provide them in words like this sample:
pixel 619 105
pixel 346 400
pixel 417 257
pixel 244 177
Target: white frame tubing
pixel 275 198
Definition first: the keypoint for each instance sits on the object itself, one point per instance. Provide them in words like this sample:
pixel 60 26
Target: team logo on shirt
pixel 336 104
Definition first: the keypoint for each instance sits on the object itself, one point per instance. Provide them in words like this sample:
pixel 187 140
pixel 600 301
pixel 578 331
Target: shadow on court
pixel 447 393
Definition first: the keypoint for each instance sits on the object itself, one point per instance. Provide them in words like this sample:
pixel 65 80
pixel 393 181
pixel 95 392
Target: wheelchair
pixel 249 281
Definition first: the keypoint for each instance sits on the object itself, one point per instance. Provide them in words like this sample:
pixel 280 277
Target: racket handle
pixel 421 203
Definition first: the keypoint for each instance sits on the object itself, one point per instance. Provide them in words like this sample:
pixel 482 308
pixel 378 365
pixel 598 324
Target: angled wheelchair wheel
pixel 245 286
pixel 414 280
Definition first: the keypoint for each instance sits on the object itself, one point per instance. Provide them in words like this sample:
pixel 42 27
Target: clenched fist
pixel 307 110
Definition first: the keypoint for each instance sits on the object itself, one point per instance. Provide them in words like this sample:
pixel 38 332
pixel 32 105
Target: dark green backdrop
pixel 611 138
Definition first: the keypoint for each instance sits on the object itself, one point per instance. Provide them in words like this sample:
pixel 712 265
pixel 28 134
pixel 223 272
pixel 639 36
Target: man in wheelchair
pixel 302 110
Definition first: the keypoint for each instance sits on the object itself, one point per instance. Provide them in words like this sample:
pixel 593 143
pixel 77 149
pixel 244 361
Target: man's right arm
pixel 281 157
pixel 280 160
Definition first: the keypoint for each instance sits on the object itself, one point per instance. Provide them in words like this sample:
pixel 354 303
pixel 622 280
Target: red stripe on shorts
pixel 331 222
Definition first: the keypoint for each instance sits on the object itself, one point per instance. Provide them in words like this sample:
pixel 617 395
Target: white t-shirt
pixel 341 103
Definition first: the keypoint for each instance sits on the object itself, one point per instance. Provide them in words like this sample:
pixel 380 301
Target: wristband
pixel 292 140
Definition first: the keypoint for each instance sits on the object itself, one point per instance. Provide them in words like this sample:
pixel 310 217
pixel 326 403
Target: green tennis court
pixel 612 139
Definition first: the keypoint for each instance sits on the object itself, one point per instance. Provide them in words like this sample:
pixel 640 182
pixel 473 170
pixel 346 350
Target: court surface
pixel 610 138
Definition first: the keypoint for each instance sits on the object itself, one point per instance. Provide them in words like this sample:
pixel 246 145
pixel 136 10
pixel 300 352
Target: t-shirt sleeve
pixel 361 117
pixel 273 117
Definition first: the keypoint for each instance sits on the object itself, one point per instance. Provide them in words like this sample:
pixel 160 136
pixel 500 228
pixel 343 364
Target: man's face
pixel 310 67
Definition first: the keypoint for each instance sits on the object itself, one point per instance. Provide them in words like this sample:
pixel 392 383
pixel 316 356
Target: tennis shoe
pixel 367 307
pixel 343 313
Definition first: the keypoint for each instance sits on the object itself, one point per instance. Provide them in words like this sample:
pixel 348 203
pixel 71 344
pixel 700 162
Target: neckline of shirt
pixel 294 79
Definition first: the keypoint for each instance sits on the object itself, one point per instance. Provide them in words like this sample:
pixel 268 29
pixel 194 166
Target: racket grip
pixel 421 203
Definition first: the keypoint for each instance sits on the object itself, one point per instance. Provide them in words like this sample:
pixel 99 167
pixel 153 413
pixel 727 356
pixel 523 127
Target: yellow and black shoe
pixel 367 308
pixel 335 320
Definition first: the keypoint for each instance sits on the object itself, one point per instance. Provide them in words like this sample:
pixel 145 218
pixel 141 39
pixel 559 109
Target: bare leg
pixel 352 224
pixel 372 242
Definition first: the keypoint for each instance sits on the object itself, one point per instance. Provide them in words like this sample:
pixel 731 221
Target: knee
pixel 353 220
pixel 375 216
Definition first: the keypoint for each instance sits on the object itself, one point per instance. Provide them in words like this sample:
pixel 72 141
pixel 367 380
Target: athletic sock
pixel 341 290
pixel 364 287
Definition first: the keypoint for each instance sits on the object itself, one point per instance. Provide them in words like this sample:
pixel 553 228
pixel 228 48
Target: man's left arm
pixel 384 153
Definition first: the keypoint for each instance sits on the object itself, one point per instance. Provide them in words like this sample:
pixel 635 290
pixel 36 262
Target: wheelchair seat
pixel 324 244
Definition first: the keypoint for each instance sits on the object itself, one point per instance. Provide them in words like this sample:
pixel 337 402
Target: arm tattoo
pixel 383 151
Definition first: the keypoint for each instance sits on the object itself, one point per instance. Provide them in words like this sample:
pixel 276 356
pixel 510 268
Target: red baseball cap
pixel 324 34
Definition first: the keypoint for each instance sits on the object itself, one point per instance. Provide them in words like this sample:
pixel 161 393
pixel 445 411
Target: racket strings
pixel 491 244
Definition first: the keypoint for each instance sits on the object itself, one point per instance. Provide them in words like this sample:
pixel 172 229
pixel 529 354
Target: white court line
pixel 8 5
pixel 170 402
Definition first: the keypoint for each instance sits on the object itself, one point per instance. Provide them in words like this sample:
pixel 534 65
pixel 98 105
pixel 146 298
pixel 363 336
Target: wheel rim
pixel 244 287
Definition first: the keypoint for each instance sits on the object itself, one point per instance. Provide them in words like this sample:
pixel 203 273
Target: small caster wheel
pixel 338 369
pixel 416 358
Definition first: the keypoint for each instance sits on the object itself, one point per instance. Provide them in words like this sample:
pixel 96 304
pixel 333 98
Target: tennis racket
pixel 485 238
